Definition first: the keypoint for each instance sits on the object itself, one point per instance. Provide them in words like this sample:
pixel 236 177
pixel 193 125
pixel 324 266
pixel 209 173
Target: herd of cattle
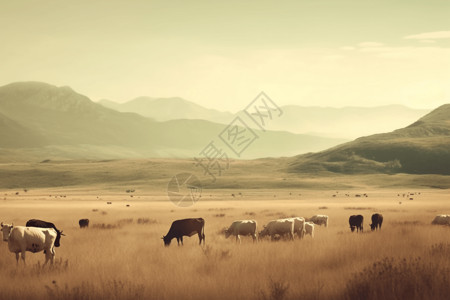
pixel 37 235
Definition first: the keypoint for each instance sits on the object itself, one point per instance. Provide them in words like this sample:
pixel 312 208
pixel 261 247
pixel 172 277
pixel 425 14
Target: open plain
pixel 121 254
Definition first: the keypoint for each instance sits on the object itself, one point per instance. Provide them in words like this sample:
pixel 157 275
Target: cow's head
pixel 263 232
pixel 58 237
pixel 352 228
pixel 373 227
pixel 227 233
pixel 6 229
pixel 166 240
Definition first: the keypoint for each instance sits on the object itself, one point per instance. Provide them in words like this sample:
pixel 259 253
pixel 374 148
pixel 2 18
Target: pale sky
pixel 221 54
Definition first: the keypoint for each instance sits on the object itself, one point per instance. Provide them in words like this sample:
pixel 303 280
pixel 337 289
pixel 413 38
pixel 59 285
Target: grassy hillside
pixel 154 174
pixel 421 148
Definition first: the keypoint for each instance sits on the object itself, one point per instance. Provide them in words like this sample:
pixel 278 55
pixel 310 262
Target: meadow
pixel 121 254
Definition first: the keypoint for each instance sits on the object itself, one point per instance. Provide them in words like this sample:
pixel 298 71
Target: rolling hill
pixel 420 148
pixel 40 121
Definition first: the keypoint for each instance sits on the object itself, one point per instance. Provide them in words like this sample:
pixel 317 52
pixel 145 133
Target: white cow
pixel 281 227
pixel 441 220
pixel 319 220
pixel 299 226
pixel 33 239
pixel 309 228
pixel 242 227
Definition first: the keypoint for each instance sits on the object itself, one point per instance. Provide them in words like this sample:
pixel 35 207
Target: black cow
pixel 185 227
pixel 83 223
pixel 44 224
pixel 356 221
pixel 377 221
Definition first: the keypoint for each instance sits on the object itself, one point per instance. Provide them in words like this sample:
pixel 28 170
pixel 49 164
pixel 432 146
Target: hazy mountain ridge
pixel 41 121
pixel 346 122
pixel 421 148
pixel 167 109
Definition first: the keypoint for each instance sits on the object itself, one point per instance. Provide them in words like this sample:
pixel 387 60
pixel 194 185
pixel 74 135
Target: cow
pixel 319 220
pixel 44 224
pixel 281 227
pixel 309 228
pixel 441 220
pixel 377 221
pixel 33 239
pixel 242 227
pixel 84 223
pixel 185 227
pixel 299 226
pixel 356 221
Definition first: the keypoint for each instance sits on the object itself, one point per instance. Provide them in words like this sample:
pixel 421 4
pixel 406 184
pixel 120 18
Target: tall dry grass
pixel 124 258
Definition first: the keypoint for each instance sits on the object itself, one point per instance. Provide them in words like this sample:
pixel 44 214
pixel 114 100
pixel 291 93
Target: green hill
pixel 421 148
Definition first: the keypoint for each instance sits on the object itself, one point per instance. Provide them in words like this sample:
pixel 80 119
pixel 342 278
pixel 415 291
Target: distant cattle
pixel 319 220
pixel 33 239
pixel 83 223
pixel 44 224
pixel 309 228
pixel 108 202
pixel 441 220
pixel 281 227
pixel 356 221
pixel 242 227
pixel 185 227
pixel 377 221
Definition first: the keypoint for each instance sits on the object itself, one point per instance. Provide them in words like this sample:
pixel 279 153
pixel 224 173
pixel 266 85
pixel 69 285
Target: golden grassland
pixel 121 255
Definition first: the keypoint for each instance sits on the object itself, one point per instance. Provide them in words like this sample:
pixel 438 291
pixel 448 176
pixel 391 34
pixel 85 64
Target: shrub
pixel 402 279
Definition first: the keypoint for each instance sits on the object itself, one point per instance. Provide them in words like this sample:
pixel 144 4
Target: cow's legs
pixel 181 238
pixel 201 236
pixel 49 256
pixel 255 239
pixel 22 255
pixel 178 241
pixel 17 258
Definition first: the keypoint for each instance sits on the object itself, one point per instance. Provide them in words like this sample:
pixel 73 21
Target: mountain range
pixel 345 123
pixel 39 121
pixel 42 121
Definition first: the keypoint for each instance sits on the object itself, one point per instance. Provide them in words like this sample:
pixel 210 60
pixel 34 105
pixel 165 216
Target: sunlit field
pixel 121 254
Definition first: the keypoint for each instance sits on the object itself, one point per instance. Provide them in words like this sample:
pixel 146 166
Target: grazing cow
pixel 33 239
pixel 83 223
pixel 185 227
pixel 377 221
pixel 309 228
pixel 356 221
pixel 319 220
pixel 44 224
pixel 441 220
pixel 281 227
pixel 242 227
pixel 299 226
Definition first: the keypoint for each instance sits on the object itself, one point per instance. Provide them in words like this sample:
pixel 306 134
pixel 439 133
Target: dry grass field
pixel 121 255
